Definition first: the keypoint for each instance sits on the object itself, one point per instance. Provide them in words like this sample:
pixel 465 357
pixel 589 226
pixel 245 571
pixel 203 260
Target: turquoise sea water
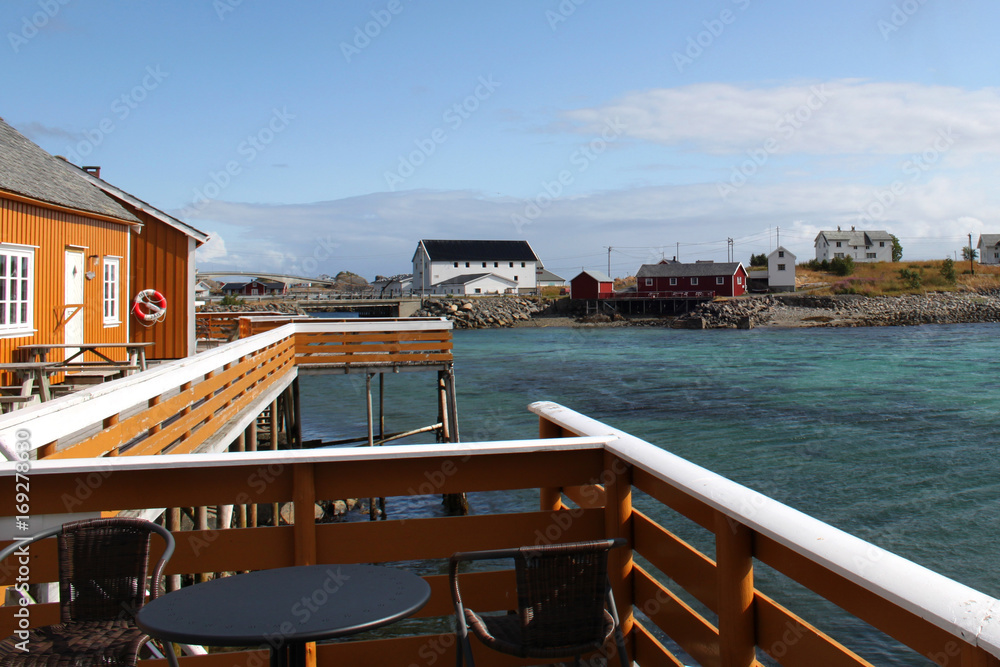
pixel 888 433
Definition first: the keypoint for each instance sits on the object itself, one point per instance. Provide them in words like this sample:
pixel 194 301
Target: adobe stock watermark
pixel 785 128
pixel 703 40
pixel 454 117
pixel 121 108
pixel 914 168
pixel 563 11
pixel 581 159
pixel 899 16
pixel 248 150
pixel 364 34
pixel 31 25
pixel 224 7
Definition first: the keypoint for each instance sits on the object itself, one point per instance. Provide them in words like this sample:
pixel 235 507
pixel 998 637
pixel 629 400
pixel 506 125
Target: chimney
pixel 93 171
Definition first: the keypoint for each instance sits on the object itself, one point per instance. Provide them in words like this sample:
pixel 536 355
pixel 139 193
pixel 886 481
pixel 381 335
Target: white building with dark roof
pixel 861 246
pixel 440 261
pixel 989 248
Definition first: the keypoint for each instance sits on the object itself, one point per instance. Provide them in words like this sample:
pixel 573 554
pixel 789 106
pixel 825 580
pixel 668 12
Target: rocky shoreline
pixel 482 312
pixel 786 310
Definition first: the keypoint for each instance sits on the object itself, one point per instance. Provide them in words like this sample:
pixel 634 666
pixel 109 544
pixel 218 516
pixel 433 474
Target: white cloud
pixel 844 116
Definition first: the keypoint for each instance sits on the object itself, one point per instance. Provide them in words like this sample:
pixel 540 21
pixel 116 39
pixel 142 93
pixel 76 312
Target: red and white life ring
pixel 150 306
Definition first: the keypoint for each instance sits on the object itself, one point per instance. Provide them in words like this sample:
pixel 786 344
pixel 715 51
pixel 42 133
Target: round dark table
pixel 285 607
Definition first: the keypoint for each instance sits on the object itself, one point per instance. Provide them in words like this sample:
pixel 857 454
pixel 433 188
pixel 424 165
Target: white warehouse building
pixel 484 266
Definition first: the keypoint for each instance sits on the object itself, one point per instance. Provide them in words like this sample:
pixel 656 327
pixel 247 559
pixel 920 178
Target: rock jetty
pixel 846 310
pixel 481 312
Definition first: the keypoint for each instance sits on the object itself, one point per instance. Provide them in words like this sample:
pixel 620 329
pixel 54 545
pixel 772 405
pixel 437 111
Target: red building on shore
pixel 592 285
pixel 673 279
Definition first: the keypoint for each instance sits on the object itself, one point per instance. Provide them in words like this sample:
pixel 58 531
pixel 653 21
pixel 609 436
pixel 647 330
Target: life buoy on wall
pixel 149 307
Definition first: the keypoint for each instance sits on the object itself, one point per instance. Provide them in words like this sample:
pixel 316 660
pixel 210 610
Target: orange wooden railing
pixel 943 621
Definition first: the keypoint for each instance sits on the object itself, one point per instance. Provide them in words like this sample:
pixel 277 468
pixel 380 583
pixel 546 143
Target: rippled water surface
pixel 888 433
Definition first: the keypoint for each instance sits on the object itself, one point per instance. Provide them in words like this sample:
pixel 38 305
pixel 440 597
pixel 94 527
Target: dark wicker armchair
pixel 103 565
pixel 564 603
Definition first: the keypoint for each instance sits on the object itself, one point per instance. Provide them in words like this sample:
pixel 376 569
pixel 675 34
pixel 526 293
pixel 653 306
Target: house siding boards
pixel 163 259
pixel 434 261
pixel 52 232
pixel 989 249
pixel 859 245
pixel 655 279
pixel 160 257
pixel 592 285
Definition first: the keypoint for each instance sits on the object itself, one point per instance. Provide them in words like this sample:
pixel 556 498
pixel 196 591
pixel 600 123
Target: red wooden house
pixel 592 285
pixel 673 279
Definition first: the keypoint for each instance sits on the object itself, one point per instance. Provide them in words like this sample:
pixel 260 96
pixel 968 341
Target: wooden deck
pixel 590 480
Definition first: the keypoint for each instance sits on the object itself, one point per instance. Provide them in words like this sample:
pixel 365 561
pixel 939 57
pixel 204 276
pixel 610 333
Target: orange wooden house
pixel 162 260
pixel 64 253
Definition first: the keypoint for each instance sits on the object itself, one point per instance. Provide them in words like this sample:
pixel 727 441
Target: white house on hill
pixel 861 246
pixel 513 266
pixel 989 248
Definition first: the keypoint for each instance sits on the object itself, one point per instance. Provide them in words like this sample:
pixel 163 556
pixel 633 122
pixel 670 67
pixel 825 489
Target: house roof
pixel 467 278
pixel 988 240
pixel 548 276
pixel 856 237
pixel 596 275
pixel 199 236
pixel 27 170
pixel 782 248
pixel 697 270
pixel 483 251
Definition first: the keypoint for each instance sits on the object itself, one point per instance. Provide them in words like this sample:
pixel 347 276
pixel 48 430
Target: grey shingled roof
pixel 856 238
pixel 479 251
pixel 27 170
pixel 467 278
pixel 199 236
pixel 989 240
pixel 687 270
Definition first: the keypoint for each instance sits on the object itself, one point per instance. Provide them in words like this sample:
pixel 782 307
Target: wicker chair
pixel 564 603
pixel 103 564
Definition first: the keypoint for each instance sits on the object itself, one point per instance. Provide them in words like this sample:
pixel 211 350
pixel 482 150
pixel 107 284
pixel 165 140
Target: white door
pixel 73 311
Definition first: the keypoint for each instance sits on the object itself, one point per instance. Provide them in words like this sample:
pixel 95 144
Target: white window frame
pixel 781 267
pixel 23 290
pixel 673 281
pixel 649 282
pixel 739 280
pixel 111 298
pixel 694 281
pixel 719 280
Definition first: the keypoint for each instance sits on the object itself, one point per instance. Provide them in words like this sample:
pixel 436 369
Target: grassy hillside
pixel 888 278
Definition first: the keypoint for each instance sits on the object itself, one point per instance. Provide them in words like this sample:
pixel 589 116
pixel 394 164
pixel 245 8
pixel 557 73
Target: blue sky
pixel 315 137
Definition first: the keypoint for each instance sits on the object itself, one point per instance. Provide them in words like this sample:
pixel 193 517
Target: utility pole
pixel 609 261
pixel 678 251
pixel 729 250
pixel 972 264
pixel 777 236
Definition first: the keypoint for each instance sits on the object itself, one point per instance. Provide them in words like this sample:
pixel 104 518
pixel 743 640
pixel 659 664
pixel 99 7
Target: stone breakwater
pixel 848 310
pixel 266 307
pixel 482 312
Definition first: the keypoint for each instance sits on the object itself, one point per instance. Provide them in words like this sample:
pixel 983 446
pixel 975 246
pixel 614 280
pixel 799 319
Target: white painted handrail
pixel 954 607
pixel 53 420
